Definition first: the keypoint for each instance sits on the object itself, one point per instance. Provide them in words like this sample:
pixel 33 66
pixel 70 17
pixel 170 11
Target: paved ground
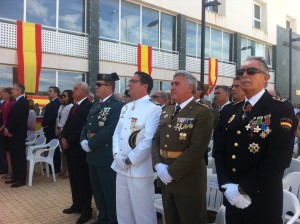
pixel 41 203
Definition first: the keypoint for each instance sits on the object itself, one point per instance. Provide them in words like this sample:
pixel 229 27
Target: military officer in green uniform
pixel 178 152
pixel 253 144
pixel 96 140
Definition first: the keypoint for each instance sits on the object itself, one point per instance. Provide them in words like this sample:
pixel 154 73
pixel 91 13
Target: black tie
pixel 176 111
pixel 247 108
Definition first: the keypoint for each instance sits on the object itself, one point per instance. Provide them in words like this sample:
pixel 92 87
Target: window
pixel 41 12
pixel 252 48
pixel 167 31
pixel 191 38
pixel 216 47
pixel 150 27
pixel 71 14
pixel 6 76
pixel 12 9
pixel 109 19
pixel 130 22
pixel 256 16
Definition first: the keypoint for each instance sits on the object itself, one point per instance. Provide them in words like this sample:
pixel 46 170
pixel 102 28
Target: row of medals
pixel 183 124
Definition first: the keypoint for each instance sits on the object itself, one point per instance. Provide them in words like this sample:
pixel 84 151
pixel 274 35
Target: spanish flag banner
pixel 145 58
pixel 29 48
pixel 212 74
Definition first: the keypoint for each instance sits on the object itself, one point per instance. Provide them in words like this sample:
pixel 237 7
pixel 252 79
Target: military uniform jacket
pixel 255 151
pixel 189 131
pixel 101 122
pixel 137 115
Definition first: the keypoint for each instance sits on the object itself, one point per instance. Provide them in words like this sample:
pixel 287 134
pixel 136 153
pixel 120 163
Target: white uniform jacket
pixel 136 115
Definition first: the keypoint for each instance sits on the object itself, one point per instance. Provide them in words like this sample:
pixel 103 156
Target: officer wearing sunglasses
pixel 253 144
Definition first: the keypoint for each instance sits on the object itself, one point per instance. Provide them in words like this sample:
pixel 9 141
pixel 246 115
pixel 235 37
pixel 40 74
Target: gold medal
pixel 191 125
pixel 182 136
pixel 254 148
pixel 101 123
pixel 185 126
pixel 263 135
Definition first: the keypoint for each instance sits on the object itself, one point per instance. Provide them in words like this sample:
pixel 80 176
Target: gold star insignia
pixel 254 148
pixel 256 129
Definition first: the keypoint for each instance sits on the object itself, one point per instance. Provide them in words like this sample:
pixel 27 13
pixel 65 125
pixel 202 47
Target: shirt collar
pixel 253 100
pixel 105 98
pixel 183 105
pixel 80 101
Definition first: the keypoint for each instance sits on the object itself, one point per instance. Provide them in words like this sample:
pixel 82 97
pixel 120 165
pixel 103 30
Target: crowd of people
pixel 114 149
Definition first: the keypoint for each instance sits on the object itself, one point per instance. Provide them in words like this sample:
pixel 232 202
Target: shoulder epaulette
pixel 236 103
pixel 202 104
pixel 280 98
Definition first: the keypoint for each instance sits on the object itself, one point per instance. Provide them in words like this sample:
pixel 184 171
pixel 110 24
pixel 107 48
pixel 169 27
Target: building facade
pixel 81 38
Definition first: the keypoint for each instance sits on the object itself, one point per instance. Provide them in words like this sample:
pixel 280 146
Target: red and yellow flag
pixel 29 48
pixel 145 58
pixel 212 74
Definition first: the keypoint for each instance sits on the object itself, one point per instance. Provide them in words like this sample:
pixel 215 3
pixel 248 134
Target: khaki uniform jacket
pixel 189 131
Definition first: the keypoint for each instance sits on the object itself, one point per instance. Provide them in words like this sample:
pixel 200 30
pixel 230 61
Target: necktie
pixel 74 108
pixel 247 108
pixel 176 111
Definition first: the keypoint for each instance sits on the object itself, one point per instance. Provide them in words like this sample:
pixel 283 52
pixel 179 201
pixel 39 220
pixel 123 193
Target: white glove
pixel 163 173
pixel 85 146
pixel 243 202
pixel 232 193
pixel 120 162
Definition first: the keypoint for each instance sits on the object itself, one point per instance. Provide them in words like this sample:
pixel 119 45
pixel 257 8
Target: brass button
pixel 167 136
pixel 169 126
pixel 166 146
pixel 90 123
pixel 92 116
pixel 238 132
pixel 233 170
pixel 236 144
pixel 233 156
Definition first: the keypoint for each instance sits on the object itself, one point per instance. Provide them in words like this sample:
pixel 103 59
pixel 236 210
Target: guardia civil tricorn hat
pixel 108 77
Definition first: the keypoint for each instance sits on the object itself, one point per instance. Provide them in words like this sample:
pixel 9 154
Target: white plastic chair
pixel 221 218
pixel 294 167
pixel 36 154
pixel 290 204
pixel 211 165
pixel 159 206
pixel 214 197
pixel 40 132
pixel 30 138
pixel 41 140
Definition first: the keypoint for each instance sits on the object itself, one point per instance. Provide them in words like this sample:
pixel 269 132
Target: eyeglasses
pixel 134 81
pixel 154 96
pixel 249 71
pixel 64 96
pixel 100 84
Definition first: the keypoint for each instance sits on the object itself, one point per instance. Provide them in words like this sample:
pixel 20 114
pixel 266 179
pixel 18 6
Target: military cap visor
pixel 108 77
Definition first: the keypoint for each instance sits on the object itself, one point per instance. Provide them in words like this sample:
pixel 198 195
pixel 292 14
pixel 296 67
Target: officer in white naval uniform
pixel 132 154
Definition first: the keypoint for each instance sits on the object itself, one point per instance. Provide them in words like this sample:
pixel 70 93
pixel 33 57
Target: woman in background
pixel 63 112
pixel 9 102
pixel 31 118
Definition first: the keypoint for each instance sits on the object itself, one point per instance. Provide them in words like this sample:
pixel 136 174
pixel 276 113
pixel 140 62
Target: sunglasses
pixel 154 96
pixel 249 71
pixel 100 84
pixel 134 81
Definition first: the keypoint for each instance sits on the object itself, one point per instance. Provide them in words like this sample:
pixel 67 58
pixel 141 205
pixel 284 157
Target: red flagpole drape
pixel 212 74
pixel 145 58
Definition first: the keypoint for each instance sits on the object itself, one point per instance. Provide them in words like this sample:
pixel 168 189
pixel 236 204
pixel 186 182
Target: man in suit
pixel 96 140
pixel 178 152
pixel 132 144
pixel 76 157
pixel 49 122
pixel 16 131
pixel 253 145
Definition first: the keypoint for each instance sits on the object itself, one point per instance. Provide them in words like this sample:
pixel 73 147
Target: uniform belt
pixel 89 135
pixel 170 154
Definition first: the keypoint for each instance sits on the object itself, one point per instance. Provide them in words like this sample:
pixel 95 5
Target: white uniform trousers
pixel 135 197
